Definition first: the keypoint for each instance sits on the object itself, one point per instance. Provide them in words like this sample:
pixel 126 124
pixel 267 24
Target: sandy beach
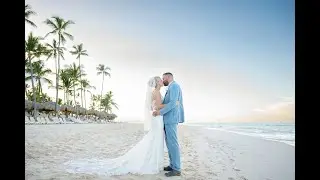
pixel 205 154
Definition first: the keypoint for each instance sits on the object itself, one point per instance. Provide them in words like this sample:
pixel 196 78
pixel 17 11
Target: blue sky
pixel 238 55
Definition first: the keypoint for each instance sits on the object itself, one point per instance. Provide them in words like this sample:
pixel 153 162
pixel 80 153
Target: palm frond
pixel 67 23
pixel 68 35
pixel 51 24
pixel 31 23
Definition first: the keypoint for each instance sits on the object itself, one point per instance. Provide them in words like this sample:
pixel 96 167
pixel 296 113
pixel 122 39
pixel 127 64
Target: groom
pixel 173 113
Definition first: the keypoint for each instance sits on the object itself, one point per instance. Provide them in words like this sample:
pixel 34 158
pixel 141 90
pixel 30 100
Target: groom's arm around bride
pixel 173 97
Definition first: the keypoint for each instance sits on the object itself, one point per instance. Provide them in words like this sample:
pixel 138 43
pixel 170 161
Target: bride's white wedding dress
pixel 146 157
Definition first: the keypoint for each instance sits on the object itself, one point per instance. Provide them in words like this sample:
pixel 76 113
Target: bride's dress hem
pixel 146 157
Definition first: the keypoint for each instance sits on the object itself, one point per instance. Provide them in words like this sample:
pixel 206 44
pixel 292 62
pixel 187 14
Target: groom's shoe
pixel 173 173
pixel 168 168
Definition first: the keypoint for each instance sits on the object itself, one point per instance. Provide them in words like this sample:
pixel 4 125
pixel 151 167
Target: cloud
pixel 283 111
pixel 259 110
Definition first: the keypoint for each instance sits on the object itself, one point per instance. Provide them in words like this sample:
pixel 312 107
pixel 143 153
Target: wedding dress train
pixel 146 157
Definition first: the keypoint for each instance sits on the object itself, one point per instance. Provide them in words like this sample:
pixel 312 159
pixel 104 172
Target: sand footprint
pixel 243 178
pixel 236 169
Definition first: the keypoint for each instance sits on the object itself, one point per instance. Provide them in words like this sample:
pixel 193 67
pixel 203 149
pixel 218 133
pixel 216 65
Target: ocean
pixel 281 132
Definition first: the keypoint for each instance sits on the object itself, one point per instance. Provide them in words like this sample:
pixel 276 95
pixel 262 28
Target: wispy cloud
pixel 280 111
pixel 259 110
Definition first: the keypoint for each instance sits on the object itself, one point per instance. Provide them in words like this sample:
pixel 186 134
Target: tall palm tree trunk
pixel 101 91
pixel 25 89
pixel 57 84
pixel 67 96
pixel 74 95
pixel 40 87
pixel 40 91
pixel 56 66
pixel 33 91
pixel 84 97
pixel 74 98
pixel 64 95
pixel 85 102
pixel 57 79
pixel 80 84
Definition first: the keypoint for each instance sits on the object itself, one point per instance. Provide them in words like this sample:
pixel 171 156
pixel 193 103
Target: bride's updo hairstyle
pixel 154 82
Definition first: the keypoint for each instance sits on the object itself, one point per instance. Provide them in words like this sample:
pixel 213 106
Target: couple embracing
pixel 162 116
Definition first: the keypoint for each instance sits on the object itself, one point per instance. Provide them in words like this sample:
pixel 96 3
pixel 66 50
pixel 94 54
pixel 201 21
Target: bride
pixel 146 157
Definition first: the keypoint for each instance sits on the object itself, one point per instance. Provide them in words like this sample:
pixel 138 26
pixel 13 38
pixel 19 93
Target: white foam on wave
pixel 262 136
pixel 183 124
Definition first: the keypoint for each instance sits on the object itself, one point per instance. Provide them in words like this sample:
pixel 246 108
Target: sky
pixel 232 58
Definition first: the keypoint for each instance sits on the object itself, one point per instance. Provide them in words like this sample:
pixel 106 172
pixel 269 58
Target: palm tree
pixel 95 100
pixel 31 47
pixel 85 86
pixel 54 51
pixel 104 71
pixel 27 13
pixel 40 73
pixel 66 84
pixel 43 97
pixel 59 27
pixel 41 51
pixel 108 102
pixel 79 51
pixel 74 72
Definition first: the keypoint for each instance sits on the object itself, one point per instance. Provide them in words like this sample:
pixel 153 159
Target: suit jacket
pixel 173 112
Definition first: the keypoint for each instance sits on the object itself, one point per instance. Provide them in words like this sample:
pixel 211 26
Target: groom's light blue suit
pixel 173 113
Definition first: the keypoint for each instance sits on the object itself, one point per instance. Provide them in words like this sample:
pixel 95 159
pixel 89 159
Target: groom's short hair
pixel 168 73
